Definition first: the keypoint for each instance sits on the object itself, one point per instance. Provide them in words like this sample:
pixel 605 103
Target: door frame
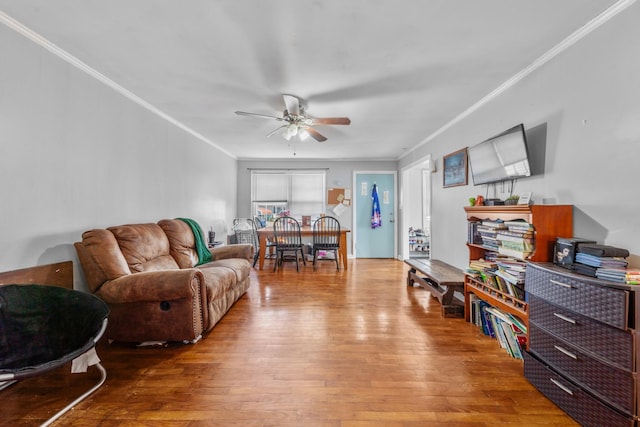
pixel 354 237
pixel 427 165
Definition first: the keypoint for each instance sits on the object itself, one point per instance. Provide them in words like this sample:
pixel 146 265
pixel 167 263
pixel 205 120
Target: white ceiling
pixel 400 69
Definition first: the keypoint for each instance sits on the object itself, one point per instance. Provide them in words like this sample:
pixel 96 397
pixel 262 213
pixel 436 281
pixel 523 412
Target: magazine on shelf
pixel 519 254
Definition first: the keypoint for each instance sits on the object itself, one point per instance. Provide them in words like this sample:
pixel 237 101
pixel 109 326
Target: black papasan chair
pixel 44 327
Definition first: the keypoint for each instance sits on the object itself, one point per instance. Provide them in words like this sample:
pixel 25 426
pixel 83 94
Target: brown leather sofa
pixel 147 275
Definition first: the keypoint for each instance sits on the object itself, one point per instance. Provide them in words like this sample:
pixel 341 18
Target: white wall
pixel 588 99
pixel 76 155
pixel 412 212
pixel 413 203
pixel 339 175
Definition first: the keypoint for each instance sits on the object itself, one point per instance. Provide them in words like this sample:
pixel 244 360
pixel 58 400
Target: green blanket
pixel 204 255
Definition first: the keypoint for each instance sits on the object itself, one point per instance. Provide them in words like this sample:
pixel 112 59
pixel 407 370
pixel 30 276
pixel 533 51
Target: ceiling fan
pixel 297 122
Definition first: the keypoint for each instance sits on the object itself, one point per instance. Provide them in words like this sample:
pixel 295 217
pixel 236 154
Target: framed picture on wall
pixel 454 168
pixel 525 198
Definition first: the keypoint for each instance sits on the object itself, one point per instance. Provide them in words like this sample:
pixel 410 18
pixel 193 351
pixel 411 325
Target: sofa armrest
pixel 165 285
pixel 242 250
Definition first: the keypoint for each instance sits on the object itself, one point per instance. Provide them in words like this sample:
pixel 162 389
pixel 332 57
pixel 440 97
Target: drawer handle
pixel 564 285
pixel 566 352
pixel 561 387
pixel 565 318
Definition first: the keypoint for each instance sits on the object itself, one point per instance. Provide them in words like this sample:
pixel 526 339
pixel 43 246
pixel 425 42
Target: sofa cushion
pixel 101 258
pixel 239 266
pixel 218 280
pixel 144 246
pixel 181 242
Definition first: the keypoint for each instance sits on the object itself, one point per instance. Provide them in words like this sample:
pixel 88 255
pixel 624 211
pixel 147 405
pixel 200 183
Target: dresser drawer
pixel 614 385
pixel 579 404
pixel 608 305
pixel 605 342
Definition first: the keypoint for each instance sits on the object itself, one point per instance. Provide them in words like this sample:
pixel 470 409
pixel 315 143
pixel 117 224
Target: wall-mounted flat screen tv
pixel 500 158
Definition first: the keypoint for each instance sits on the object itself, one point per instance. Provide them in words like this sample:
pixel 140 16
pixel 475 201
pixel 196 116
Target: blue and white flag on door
pixel 376 219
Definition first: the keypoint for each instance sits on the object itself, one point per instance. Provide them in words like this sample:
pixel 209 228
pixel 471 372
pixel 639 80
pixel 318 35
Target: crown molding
pixel 574 37
pixel 66 56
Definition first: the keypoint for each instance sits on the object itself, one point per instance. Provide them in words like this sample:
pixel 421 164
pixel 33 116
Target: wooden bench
pixel 441 280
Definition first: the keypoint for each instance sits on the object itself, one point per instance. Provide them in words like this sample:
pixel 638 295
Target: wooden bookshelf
pixel 549 222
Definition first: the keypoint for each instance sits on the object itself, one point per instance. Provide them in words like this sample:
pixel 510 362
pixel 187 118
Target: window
pixel 300 192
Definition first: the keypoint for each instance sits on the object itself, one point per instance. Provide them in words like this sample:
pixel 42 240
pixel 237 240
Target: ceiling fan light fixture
pixel 291 131
pixel 297 123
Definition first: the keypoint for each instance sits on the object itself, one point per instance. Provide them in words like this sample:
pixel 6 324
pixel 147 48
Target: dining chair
pixel 287 237
pixel 326 238
pixel 270 244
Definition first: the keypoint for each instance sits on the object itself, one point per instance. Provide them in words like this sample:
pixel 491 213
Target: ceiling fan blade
pixel 316 135
pixel 292 103
pixel 243 113
pixel 330 120
pixel 276 131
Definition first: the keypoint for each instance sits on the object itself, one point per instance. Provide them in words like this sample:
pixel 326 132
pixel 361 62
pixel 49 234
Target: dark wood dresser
pixel 583 344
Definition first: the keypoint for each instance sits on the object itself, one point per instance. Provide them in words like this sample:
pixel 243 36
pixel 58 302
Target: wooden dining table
pixel 267 232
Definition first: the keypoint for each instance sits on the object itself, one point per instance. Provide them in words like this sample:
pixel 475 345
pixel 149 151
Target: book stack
pixel 613 274
pixel 505 274
pixel 629 276
pixel 488 231
pixel 511 273
pixel 510 331
pixel 516 239
pixel 473 236
pixel 481 265
pixel 480 268
pixel 498 279
pixel 602 261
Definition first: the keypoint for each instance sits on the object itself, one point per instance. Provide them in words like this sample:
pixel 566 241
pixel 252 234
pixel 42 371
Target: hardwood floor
pixel 355 348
